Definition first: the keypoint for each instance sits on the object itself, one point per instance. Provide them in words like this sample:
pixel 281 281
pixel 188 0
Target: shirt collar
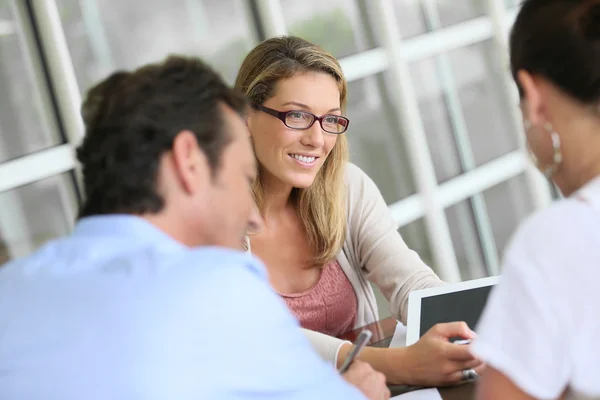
pixel 129 227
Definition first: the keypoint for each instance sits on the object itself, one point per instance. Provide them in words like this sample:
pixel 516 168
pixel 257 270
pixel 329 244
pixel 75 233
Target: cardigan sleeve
pixel 326 346
pixel 378 250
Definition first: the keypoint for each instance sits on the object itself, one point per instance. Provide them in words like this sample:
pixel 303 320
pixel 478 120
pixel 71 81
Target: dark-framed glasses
pixel 301 120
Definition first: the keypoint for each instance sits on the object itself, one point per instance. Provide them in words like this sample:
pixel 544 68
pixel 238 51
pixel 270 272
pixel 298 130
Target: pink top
pixel 328 307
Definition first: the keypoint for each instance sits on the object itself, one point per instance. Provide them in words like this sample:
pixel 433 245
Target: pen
pixel 360 342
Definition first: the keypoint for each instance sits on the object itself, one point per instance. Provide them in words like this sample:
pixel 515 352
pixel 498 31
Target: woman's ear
pixel 250 116
pixel 532 96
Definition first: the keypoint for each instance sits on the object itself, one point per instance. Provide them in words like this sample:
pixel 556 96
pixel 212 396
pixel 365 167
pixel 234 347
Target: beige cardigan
pixel 374 251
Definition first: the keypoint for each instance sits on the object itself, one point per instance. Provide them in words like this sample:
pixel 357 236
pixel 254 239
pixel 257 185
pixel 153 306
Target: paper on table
pixel 425 394
pixel 399 338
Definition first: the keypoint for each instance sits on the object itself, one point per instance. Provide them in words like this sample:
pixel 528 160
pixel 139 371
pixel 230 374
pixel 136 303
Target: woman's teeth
pixel 306 160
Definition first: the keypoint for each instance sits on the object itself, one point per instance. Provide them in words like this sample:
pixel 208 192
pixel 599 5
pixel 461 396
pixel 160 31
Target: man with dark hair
pixel 151 297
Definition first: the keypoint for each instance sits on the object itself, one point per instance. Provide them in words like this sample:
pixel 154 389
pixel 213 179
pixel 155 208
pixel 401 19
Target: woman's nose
pixel 314 136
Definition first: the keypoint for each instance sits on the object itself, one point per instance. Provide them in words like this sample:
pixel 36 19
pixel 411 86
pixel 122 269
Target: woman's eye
pixel 296 115
pixel 331 120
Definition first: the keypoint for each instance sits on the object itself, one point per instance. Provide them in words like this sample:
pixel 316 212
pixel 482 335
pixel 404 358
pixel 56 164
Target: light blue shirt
pixel 119 310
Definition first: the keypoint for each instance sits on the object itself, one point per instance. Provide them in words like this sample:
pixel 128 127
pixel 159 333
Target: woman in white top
pixel 540 332
pixel 327 231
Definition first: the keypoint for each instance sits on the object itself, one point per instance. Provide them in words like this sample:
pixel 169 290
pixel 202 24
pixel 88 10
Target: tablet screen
pixel 465 305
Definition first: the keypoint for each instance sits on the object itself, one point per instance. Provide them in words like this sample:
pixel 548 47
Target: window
pixel 25 123
pixel 416 17
pixel 466 240
pixel 336 25
pixel 33 214
pixel 375 144
pixel 466 118
pixel 416 238
pixel 508 204
pixel 104 35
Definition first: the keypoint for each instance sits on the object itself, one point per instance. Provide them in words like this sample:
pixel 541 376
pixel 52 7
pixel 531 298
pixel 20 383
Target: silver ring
pixel 469 374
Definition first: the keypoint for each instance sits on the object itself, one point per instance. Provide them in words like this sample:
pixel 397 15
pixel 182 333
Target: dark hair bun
pixel 98 98
pixel 589 20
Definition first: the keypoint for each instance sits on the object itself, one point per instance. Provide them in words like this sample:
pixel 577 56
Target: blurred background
pixel 435 117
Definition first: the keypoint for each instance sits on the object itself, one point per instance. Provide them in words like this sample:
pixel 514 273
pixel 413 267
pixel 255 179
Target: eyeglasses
pixel 303 120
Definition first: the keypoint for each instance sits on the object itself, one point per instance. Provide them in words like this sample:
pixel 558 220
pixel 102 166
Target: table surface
pixel 383 331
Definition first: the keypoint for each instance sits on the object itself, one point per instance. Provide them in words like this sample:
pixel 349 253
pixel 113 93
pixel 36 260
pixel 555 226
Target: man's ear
pixel 190 163
pixel 533 111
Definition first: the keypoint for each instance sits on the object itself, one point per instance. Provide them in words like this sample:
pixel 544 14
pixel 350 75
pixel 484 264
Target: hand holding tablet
pixel 462 301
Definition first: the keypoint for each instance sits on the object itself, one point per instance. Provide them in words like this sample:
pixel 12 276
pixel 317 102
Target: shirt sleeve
pixel 523 332
pixel 262 347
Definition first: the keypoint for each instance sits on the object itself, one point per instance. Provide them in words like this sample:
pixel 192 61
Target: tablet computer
pixel 462 301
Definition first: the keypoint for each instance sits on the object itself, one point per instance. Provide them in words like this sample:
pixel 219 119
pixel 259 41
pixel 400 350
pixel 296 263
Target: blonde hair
pixel 322 206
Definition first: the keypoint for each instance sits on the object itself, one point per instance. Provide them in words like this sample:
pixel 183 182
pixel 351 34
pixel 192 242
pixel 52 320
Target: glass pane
pixel 411 17
pixel 465 239
pixel 104 35
pixel 508 204
pixel 416 238
pixel 436 119
pixel 33 214
pixel 23 128
pixel 414 20
pixel 474 83
pixel 478 73
pixel 339 26
pixel 375 143
pixel 452 11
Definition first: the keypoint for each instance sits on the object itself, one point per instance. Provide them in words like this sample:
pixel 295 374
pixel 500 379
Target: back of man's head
pixel 132 120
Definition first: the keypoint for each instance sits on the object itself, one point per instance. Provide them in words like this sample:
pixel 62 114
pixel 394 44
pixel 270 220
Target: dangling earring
pixel 550 170
pixel 246 244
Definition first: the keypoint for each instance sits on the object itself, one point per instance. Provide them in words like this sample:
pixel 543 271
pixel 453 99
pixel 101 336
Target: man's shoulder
pixel 220 259
pixel 211 272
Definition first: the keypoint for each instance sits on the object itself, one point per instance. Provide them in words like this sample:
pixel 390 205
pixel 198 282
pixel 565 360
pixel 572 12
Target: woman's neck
pixel 276 197
pixel 579 178
pixel 581 162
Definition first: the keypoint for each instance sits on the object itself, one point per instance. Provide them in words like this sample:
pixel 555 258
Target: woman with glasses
pixel 540 331
pixel 327 231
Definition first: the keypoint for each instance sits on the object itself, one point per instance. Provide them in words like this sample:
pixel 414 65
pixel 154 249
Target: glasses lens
pixel 334 124
pixel 298 119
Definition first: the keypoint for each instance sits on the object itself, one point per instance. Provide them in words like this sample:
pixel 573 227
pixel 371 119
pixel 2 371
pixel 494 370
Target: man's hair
pixel 131 120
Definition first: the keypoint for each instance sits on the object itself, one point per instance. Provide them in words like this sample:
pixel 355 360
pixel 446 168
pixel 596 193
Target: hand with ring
pixel 469 374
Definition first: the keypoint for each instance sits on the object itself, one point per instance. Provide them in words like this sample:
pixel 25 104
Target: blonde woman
pixel 327 230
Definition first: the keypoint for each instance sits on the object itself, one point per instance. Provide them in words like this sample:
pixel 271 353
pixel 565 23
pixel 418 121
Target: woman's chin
pixel 301 182
pixel 297 179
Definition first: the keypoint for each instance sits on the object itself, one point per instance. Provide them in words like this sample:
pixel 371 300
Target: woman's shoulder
pixel 363 197
pixel 357 180
pixel 558 232
pixel 563 217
